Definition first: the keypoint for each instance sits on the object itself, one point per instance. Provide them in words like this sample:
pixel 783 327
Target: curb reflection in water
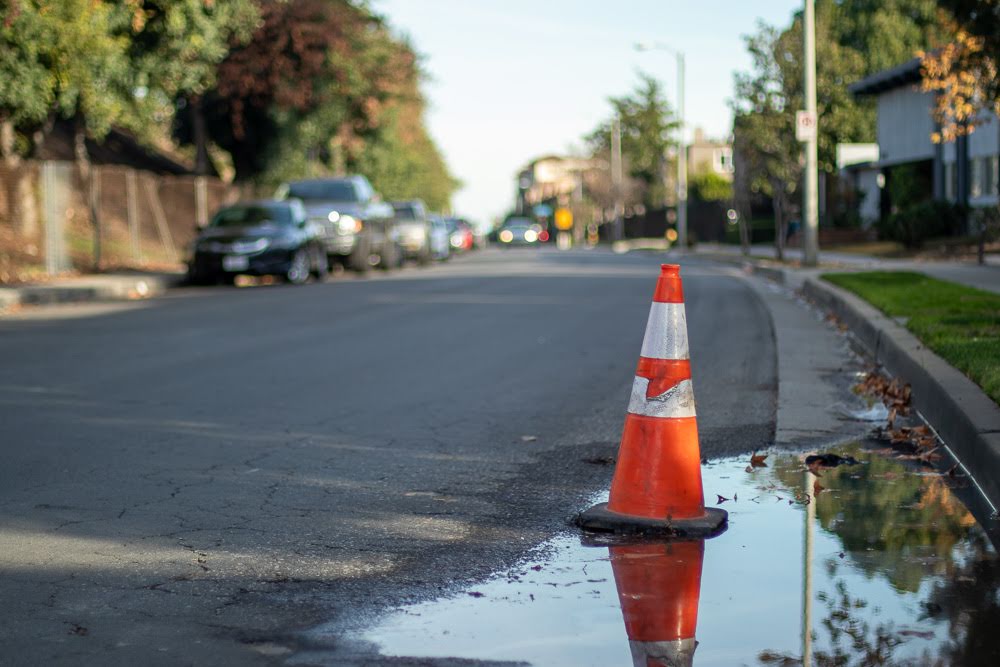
pixel 876 563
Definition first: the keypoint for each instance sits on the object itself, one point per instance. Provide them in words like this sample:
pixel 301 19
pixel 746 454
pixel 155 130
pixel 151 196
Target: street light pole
pixel 810 191
pixel 617 177
pixel 682 186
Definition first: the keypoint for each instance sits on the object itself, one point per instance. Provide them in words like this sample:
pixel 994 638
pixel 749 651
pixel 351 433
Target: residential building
pixel 708 155
pixel 963 171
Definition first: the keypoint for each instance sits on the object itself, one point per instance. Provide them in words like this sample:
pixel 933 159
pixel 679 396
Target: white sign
pixel 805 126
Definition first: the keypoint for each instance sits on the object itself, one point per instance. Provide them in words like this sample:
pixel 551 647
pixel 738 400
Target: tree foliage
pixel 854 38
pixel 963 76
pixel 283 88
pixel 647 126
pixel 64 58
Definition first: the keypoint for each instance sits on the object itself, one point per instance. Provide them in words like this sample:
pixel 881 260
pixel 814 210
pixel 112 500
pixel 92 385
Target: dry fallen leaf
pixel 757 460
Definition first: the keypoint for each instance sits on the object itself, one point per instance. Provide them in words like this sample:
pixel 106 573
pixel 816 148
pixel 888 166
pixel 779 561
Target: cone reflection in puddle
pixel 898 569
pixel 658 588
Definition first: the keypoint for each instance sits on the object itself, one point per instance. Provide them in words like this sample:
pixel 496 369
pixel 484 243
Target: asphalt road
pixel 198 478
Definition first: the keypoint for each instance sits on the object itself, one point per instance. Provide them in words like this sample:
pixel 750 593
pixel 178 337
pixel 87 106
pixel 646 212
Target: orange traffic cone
pixel 657 483
pixel 658 589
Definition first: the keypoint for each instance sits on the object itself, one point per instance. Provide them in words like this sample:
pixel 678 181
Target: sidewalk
pixel 986 277
pixel 98 287
pixel 967 420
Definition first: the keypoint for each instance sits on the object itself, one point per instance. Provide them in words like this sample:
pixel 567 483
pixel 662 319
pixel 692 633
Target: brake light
pixel 544 236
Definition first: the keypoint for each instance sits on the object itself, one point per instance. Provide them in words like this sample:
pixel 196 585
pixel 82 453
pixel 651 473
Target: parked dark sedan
pixel 258 238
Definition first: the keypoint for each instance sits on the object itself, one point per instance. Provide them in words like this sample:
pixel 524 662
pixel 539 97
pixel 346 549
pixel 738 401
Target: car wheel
pixel 390 257
pixel 424 258
pixel 321 265
pixel 357 261
pixel 298 269
pixel 197 279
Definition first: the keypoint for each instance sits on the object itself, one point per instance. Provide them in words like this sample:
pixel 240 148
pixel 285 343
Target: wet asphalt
pixel 203 478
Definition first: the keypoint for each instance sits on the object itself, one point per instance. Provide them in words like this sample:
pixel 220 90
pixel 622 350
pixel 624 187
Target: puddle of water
pixel 884 566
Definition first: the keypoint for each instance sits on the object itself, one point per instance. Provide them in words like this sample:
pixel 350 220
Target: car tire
pixel 321 265
pixel 390 257
pixel 357 261
pixel 425 257
pixel 298 268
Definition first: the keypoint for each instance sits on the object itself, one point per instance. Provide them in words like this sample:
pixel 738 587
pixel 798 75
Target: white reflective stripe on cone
pixel 666 332
pixel 676 403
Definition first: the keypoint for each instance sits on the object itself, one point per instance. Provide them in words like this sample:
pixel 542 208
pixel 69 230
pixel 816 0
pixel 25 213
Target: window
pixel 975 177
pixel 722 160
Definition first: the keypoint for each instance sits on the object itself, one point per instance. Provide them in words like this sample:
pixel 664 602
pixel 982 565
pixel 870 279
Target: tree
pixel 763 129
pixel 175 53
pixel 63 58
pixel 854 38
pixel 964 81
pixel 312 81
pixel 978 20
pixel 647 123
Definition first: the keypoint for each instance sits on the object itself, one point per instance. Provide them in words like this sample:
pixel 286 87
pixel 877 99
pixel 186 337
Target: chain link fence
pixel 54 220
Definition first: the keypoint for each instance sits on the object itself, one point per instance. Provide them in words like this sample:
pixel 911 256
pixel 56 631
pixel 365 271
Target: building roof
pixel 896 77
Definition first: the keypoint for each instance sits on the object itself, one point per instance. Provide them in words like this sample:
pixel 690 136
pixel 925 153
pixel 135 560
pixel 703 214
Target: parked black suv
pixel 356 223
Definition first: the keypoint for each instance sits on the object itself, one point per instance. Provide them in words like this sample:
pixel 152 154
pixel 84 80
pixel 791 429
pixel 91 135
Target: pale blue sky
pixel 515 79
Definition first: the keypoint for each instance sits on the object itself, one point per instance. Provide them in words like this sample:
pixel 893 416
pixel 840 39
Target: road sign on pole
pixel 805 125
pixel 810 190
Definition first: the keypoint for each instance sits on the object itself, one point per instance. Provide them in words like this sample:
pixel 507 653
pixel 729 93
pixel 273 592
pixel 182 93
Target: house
pixel 964 171
pixel 709 156
pixel 551 178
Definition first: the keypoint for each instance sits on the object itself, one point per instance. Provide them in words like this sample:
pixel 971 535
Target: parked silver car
pixel 357 224
pixel 412 230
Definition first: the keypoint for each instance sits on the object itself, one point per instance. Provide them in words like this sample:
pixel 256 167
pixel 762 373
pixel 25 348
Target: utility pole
pixel 616 177
pixel 682 186
pixel 810 204
pixel 682 169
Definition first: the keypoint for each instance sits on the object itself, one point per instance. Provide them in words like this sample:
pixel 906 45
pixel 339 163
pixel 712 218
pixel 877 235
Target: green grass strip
pixel 961 324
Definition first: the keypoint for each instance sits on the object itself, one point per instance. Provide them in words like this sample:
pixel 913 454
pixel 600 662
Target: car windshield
pixel 242 216
pixel 517 224
pixel 405 211
pixel 337 190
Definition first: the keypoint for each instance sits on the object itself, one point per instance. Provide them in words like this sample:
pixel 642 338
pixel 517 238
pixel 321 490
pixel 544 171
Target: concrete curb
pixel 109 287
pixel 965 417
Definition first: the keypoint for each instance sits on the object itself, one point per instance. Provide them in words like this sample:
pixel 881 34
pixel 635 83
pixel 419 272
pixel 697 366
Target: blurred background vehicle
pixel 258 238
pixel 460 234
pixel 520 231
pixel 412 230
pixel 440 238
pixel 357 224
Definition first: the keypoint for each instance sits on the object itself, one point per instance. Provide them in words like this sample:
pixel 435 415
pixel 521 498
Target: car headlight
pixel 506 236
pixel 348 224
pixel 530 236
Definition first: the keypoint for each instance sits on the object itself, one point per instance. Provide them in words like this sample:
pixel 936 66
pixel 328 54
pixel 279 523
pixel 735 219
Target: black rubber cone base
pixel 599 519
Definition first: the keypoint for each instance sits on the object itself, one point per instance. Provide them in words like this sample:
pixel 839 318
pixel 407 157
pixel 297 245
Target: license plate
pixel 235 263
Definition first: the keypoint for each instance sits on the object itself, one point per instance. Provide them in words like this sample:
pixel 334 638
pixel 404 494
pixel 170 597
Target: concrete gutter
pixel 963 415
pixel 104 287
